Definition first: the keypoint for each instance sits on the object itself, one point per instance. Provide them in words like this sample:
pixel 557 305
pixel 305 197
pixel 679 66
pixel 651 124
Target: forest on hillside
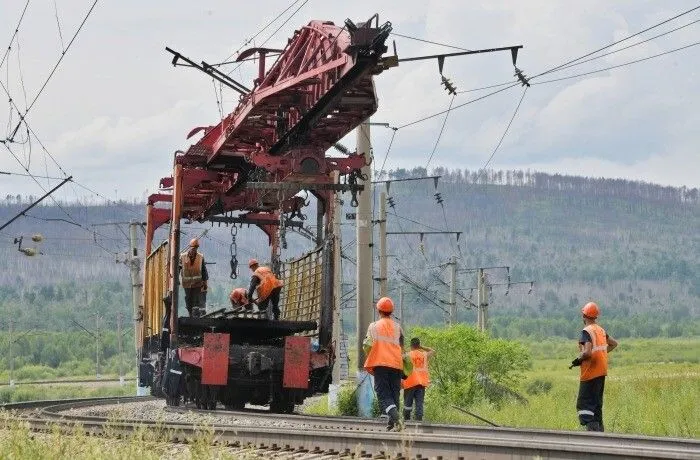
pixel 632 246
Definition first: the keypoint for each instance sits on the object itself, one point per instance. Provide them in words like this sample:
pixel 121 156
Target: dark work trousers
pixel 387 385
pixel 414 395
pixel 590 403
pixel 195 298
pixel 274 299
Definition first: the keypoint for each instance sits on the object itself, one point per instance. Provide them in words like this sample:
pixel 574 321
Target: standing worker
pixel 414 386
pixel 268 287
pixel 194 279
pixel 594 346
pixel 383 346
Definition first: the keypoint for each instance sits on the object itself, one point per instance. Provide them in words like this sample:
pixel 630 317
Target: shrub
pixel 347 402
pixel 470 366
pixel 538 387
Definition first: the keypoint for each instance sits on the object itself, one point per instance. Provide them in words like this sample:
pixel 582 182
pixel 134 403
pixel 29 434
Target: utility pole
pixel 401 304
pixel 12 357
pixel 453 290
pixel 337 294
pixel 97 346
pixel 119 345
pixel 483 302
pixel 337 276
pixel 383 263
pixel 136 298
pixel 365 288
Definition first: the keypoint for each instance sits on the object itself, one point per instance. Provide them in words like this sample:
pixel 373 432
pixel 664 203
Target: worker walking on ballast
pixel 194 279
pixel 415 384
pixel 268 287
pixel 383 348
pixel 594 346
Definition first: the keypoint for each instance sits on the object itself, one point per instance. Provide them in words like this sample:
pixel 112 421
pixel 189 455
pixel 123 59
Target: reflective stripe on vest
pixel 420 375
pixel 191 272
pixel 386 349
pixel 597 364
pixel 268 282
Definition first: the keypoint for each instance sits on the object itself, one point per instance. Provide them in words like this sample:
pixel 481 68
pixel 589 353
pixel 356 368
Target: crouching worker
pixel 414 386
pixel 239 299
pixel 267 286
pixel 383 348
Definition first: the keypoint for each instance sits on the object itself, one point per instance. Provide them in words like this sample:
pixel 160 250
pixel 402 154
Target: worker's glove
pixel 575 362
pixel 204 287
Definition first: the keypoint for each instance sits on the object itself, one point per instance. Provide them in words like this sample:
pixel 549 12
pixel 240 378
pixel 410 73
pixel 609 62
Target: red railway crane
pixel 249 166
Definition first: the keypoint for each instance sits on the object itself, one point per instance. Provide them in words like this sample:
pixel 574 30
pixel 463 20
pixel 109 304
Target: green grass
pixel 653 388
pixel 21 393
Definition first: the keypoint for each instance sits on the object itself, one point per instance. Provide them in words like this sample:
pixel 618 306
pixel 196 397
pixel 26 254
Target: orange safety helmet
pixel 252 262
pixel 194 243
pixel 385 305
pixel 590 310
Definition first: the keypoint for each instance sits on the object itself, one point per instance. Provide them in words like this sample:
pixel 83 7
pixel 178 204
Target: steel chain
pixel 234 253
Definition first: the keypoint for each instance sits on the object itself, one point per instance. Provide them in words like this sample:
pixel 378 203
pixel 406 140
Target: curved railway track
pixel 333 437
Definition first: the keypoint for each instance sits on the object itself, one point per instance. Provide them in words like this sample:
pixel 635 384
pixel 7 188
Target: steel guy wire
pixel 58 24
pixel 429 41
pixel 505 132
pixel 442 129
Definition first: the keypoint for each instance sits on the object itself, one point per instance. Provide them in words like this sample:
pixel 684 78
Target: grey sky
pixel 116 109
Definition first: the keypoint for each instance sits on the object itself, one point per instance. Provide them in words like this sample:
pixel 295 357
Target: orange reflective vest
pixel 420 375
pixel 268 282
pixel 191 271
pixel 385 335
pixel 597 364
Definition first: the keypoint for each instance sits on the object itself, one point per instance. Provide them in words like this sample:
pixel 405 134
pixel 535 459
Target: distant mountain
pixel 633 246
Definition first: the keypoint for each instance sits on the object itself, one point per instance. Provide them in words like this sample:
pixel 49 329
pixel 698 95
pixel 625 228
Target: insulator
pixel 37 238
pixel 438 198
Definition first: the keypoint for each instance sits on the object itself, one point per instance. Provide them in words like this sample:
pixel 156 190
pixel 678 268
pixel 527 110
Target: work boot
pixel 593 426
pixel 394 422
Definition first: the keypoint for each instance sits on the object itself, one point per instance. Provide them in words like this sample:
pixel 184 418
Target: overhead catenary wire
pixel 250 40
pixel 14 34
pixel 628 46
pixel 275 32
pixel 617 66
pixel 55 67
pixel 617 42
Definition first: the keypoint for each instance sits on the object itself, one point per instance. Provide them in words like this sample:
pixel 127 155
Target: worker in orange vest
pixel 415 384
pixel 239 298
pixel 383 348
pixel 594 346
pixel 194 279
pixel 268 288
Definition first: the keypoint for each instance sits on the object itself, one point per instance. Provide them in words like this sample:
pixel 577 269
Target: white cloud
pixel 116 110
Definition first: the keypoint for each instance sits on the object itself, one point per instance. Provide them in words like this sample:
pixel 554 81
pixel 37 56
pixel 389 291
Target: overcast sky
pixel 116 109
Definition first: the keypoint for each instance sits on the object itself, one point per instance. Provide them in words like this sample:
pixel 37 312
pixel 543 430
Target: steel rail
pixel 345 435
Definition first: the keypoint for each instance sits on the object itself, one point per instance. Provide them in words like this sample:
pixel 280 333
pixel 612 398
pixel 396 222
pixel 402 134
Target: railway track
pixel 334 437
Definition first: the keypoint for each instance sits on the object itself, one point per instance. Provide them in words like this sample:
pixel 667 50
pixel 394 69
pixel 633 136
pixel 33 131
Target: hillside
pixel 632 246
